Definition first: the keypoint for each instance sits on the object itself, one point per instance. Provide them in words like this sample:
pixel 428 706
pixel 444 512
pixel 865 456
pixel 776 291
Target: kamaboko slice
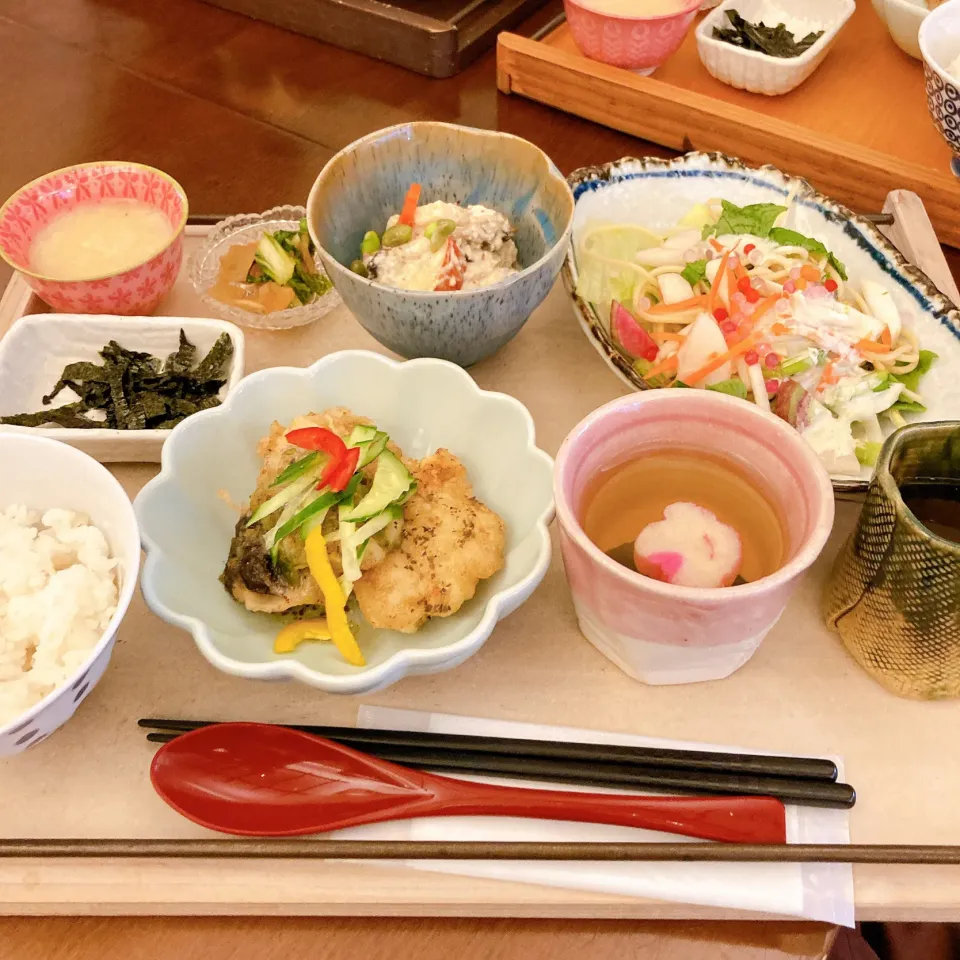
pixel 689 547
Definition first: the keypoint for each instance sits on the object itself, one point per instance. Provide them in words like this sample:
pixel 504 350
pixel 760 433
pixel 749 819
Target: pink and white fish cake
pixel 689 547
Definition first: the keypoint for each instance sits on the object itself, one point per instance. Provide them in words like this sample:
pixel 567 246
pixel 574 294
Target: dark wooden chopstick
pixel 801 768
pixel 484 850
pixel 817 793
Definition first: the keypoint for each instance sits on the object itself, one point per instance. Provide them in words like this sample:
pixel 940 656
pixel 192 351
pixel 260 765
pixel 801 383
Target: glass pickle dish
pixel 204 267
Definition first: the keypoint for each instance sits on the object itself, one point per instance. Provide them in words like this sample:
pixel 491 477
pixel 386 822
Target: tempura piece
pixel 450 543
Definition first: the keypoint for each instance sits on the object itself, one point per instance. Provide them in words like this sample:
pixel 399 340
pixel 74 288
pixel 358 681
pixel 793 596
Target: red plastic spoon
pixel 269 781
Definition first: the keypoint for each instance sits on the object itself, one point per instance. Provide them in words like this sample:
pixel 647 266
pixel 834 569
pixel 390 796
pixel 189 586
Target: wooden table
pixel 244 116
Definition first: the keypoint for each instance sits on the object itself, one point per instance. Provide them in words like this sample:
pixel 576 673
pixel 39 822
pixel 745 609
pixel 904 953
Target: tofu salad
pixel 439 246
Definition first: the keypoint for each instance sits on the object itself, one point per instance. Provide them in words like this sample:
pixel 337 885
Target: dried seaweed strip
pixel 69 415
pixel 775 41
pixel 136 390
pixel 215 362
pixel 181 360
pixel 153 405
pixel 118 399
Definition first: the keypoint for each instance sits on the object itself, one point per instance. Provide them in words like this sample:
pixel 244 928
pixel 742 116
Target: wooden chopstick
pixel 818 793
pixel 801 768
pixel 484 850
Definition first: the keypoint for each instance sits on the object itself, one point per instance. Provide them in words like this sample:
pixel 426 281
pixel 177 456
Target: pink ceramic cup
pixel 640 44
pixel 657 632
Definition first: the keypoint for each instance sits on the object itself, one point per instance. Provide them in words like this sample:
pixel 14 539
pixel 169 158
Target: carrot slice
pixel 742 347
pixel 829 375
pixel 779 329
pixel 762 308
pixel 738 270
pixel 871 346
pixel 717 280
pixel 716 246
pixel 691 303
pixel 409 209
pixel 885 337
pixel 664 366
pixel 810 272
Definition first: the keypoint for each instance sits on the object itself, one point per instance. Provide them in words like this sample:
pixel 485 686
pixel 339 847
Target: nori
pixel 775 41
pixel 135 390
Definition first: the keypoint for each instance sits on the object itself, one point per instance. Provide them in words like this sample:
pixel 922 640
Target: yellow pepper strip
pixel 293 634
pixel 333 598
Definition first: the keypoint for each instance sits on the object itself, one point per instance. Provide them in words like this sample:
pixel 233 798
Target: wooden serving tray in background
pixel 437 38
pixel 857 129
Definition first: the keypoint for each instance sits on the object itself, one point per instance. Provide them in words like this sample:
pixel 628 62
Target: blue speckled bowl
pixel 366 182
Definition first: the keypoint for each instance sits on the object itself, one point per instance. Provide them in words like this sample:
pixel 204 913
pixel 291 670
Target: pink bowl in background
pixel 637 43
pixel 135 291
pixel 657 632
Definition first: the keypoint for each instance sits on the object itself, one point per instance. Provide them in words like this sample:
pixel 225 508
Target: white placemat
pixel 822 892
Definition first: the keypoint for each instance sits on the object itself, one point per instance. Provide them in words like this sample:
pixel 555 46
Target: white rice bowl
pixel 58 592
pixel 69 560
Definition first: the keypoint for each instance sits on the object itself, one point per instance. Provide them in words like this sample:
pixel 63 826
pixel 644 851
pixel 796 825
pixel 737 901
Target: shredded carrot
pixel 717 280
pixel 664 366
pixel 661 336
pixel 742 347
pixel 692 303
pixel 871 346
pixel 738 270
pixel 779 329
pixel 809 272
pixel 716 246
pixel 409 209
pixel 885 337
pixel 763 307
pixel 829 375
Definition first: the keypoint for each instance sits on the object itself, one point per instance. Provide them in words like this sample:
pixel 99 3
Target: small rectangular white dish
pixel 758 72
pixel 35 350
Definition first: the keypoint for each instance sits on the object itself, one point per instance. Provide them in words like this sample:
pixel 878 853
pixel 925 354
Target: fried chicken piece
pixel 450 543
pixel 249 574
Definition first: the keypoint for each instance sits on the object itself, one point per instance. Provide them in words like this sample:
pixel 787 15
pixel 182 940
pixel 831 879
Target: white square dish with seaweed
pixel 36 349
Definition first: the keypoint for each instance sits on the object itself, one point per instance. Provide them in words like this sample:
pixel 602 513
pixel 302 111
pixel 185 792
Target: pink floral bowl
pixel 136 291
pixel 657 632
pixel 636 43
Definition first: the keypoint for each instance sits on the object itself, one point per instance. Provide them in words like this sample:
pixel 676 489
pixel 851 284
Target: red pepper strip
pixel 339 478
pixel 326 441
pixel 318 438
pixel 454 265
pixel 409 209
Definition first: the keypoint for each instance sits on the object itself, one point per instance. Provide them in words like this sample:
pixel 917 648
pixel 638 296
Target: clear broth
pixel 621 501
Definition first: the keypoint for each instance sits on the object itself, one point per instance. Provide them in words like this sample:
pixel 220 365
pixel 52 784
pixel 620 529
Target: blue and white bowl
pixel 42 474
pixel 365 183
pixel 657 193
pixel 940 45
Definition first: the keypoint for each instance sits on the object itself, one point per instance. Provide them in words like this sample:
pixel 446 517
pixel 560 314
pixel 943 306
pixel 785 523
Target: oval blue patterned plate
pixel 656 193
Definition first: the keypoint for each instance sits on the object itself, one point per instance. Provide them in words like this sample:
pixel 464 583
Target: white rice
pixel 58 591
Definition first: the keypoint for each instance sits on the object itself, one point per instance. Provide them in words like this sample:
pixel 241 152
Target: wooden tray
pixel 800 693
pixel 437 38
pixel 857 129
